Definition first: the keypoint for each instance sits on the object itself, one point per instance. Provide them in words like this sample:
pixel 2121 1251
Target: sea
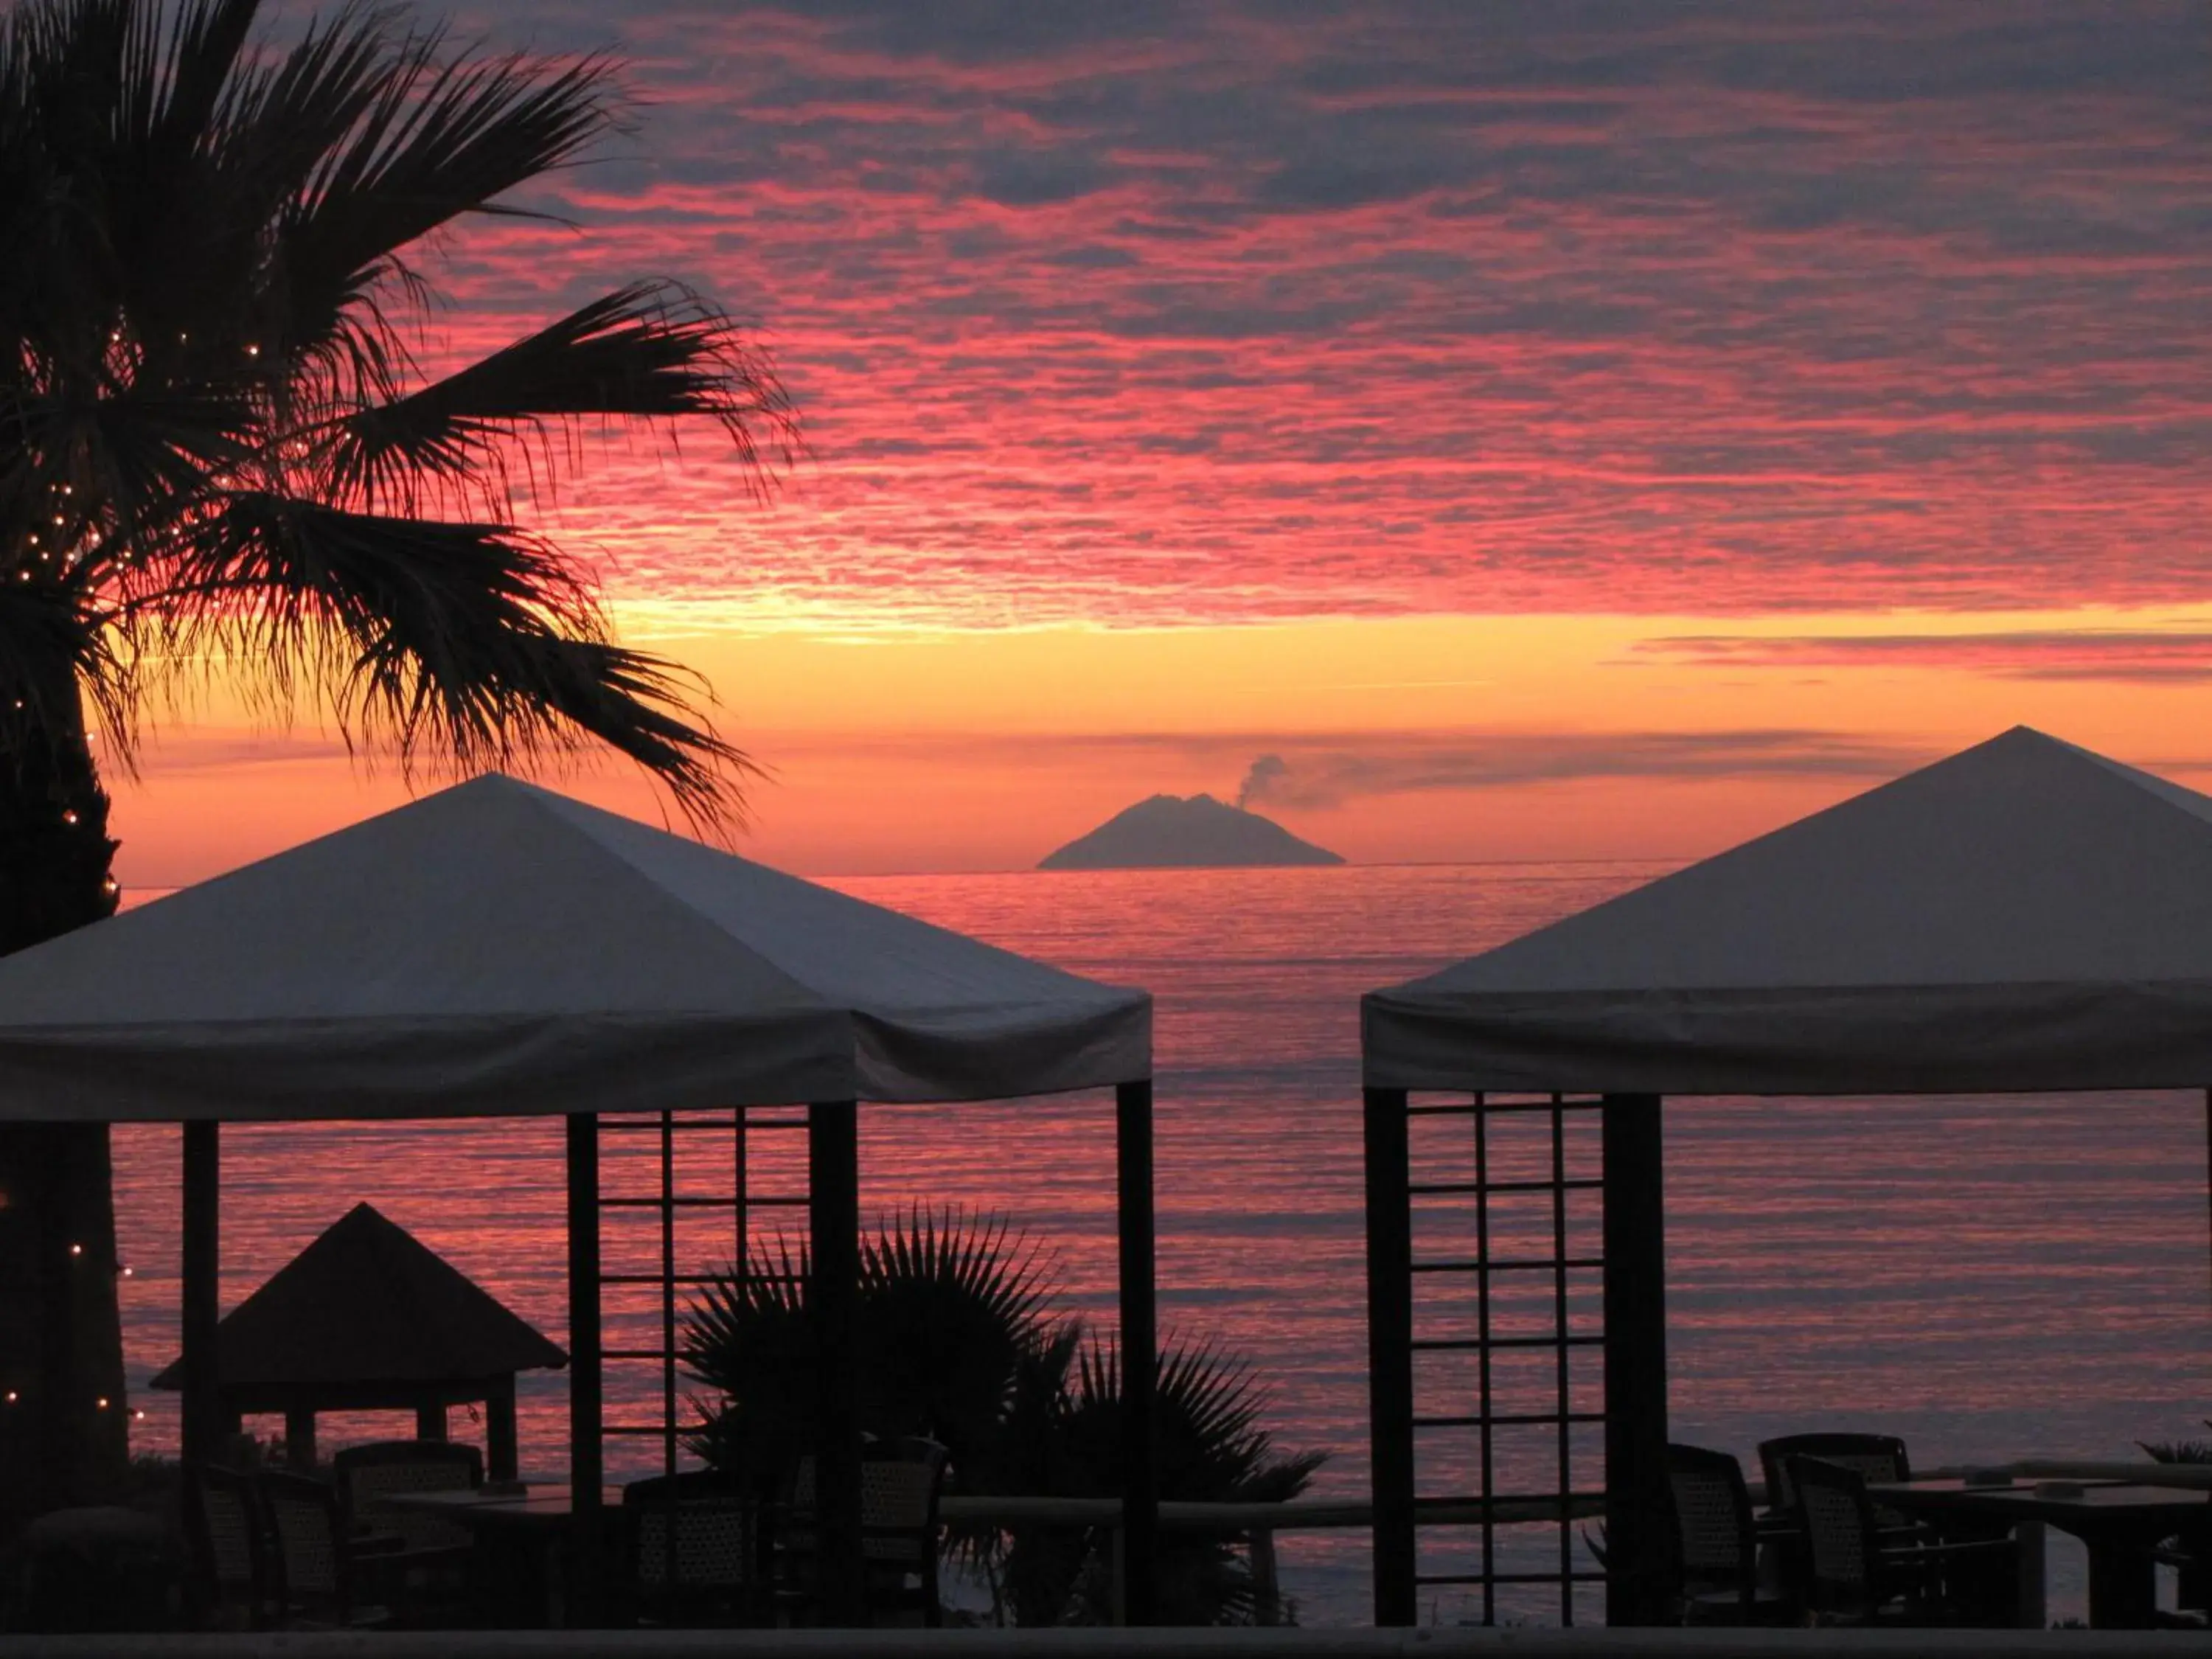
pixel 1989 1278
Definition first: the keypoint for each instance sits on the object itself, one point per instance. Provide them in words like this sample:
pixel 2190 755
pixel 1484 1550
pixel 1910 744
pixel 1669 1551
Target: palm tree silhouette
pixel 218 446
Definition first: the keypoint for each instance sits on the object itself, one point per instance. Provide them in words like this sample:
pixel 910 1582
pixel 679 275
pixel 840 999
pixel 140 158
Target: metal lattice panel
pixel 671 1198
pixel 1519 1276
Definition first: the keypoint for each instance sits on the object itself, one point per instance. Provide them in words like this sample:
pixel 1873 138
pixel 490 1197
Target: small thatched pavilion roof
pixel 369 1305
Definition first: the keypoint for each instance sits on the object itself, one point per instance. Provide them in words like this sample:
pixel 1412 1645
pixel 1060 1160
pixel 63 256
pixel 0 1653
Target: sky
pixel 1532 430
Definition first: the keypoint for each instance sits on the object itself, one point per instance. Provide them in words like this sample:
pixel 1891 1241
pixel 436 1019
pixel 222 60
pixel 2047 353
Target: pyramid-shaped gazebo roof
pixel 2024 914
pixel 499 950
pixel 369 1303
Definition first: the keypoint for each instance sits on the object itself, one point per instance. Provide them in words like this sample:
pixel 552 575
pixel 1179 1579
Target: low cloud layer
pixel 2115 654
pixel 1308 771
pixel 1327 775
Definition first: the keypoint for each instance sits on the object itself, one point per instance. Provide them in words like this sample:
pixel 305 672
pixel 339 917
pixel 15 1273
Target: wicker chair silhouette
pixel 311 1554
pixel 901 1481
pixel 229 1582
pixel 717 1570
pixel 1878 1457
pixel 1717 1541
pixel 423 1562
pixel 1857 1573
pixel 366 1475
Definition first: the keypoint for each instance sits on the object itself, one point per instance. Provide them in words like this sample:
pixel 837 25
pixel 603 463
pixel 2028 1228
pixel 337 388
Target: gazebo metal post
pixel 203 1256
pixel 1140 1314
pixel 833 1198
pixel 1390 1353
pixel 503 1446
pixel 586 1449
pixel 300 1437
pixel 1635 1494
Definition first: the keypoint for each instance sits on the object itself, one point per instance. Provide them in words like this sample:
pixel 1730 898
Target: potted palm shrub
pixel 958 1341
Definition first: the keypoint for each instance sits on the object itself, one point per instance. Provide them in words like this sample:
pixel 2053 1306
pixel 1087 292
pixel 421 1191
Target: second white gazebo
pixel 2023 915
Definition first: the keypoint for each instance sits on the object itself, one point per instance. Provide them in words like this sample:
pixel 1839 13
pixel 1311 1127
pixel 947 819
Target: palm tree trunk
pixel 63 1438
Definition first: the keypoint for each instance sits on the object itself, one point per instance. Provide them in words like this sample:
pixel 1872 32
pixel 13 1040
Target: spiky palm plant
pixel 218 446
pixel 957 1341
pixel 950 1304
pixel 2178 1451
pixel 1065 1438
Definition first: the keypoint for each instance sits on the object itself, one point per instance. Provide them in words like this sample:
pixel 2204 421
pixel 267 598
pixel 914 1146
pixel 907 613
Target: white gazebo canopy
pixel 498 949
pixel 2023 915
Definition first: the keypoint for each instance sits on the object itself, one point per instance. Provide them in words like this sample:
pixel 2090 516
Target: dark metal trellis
pixel 1494 1507
pixel 1630 1266
pixel 668 1278
pixel 740 1124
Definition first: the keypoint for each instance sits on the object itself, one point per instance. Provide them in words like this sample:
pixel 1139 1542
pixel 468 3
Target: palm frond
pixel 975 1259
pixel 641 706
pixel 746 1337
pixel 651 349
pixel 950 1304
pixel 47 657
pixel 206 37
pixel 61 83
pixel 207 396
pixel 1211 1447
pixel 722 1338
pixel 473 644
pixel 236 140
pixel 2177 1451
pixel 280 122
pixel 120 471
pixel 444 137
pixel 126 213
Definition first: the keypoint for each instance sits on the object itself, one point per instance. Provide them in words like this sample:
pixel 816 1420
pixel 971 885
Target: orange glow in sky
pixel 1444 739
pixel 1551 431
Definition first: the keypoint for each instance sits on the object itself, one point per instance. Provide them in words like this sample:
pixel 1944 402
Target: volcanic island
pixel 1176 832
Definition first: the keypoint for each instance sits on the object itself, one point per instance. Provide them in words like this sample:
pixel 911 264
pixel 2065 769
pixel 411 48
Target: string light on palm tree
pixel 220 451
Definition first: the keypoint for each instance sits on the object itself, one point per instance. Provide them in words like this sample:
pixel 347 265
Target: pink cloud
pixel 1171 312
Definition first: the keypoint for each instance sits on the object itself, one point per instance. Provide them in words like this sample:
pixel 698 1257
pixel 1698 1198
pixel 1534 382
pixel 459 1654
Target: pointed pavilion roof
pixel 2024 914
pixel 368 1303
pixel 499 950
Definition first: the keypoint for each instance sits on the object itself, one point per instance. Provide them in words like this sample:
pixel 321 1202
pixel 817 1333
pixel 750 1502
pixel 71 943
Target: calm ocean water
pixel 1989 1278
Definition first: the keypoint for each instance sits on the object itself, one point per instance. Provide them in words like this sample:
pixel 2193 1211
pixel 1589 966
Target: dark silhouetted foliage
pixel 220 455
pixel 957 1342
